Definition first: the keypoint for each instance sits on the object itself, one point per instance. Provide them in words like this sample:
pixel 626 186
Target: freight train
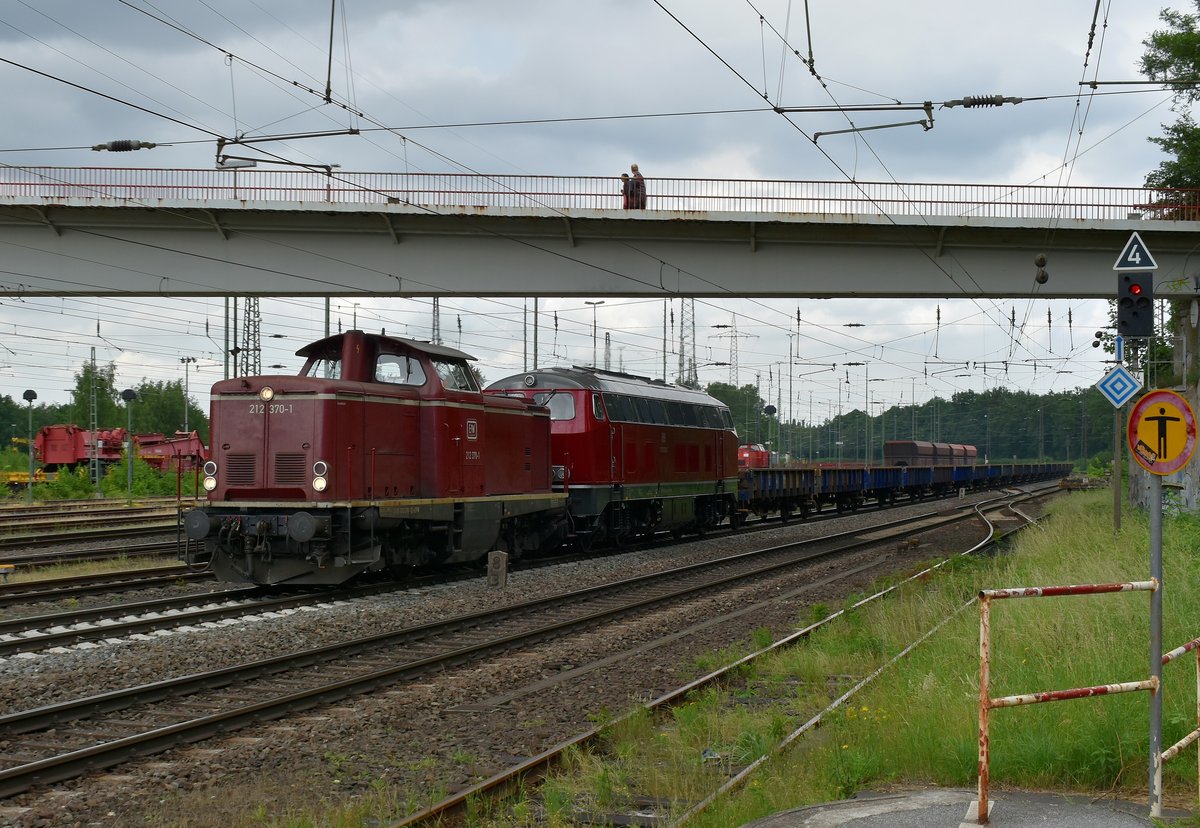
pixel 384 454
pixel 911 469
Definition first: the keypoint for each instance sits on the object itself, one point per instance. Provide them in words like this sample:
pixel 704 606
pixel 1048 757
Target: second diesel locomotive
pixel 634 455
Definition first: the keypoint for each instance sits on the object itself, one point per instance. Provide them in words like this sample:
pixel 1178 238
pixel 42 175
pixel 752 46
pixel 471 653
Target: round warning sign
pixel 1162 432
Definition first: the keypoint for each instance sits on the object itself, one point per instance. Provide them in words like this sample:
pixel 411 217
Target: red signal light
pixel 1135 289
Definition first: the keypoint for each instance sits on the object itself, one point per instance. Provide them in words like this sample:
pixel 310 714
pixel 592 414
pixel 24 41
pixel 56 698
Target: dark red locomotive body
pixel 383 453
pixel 634 455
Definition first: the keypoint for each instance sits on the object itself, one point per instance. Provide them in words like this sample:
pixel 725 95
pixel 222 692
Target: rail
pixel 987 704
pixel 440 191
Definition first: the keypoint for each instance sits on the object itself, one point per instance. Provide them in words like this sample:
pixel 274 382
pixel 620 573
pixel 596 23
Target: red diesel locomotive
pixel 382 453
pixel 634 455
pixel 754 456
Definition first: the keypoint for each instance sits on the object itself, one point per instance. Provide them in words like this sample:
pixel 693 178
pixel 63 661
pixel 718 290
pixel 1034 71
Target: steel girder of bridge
pixel 98 247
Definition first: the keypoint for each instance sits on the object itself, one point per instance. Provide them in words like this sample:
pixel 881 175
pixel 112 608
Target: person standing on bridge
pixel 626 191
pixel 637 191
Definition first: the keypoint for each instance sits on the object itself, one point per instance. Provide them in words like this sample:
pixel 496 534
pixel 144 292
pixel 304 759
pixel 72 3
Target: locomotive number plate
pixel 270 408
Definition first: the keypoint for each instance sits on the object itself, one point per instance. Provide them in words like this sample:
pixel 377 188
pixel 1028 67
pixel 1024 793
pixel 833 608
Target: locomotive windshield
pixel 562 406
pixel 455 375
pixel 399 370
pixel 325 367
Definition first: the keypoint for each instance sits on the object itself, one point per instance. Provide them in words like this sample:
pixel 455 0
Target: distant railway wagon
pixel 68 445
pixel 184 451
pixel 804 491
pixel 19 480
pixel 922 453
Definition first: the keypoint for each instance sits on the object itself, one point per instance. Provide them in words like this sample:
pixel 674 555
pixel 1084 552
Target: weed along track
pixel 468 680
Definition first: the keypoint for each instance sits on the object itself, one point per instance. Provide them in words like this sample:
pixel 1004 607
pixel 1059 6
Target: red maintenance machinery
pixel 68 446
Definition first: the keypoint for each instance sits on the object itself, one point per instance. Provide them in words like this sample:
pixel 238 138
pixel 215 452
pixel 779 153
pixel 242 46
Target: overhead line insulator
pixel 124 145
pixel 977 101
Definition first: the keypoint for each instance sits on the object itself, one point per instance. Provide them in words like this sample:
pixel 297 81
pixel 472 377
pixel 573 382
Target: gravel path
pixel 417 741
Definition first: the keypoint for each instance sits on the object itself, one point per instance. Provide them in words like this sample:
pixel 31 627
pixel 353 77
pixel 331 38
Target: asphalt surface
pixel 955 807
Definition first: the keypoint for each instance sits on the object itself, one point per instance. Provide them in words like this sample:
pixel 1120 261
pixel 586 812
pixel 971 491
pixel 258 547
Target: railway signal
pixel 1135 304
pixel 1135 288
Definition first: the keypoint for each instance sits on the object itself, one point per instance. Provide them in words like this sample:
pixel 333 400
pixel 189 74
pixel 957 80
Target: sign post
pixel 1118 386
pixel 1162 438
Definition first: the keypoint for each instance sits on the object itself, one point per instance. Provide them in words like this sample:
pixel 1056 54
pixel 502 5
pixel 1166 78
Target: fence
pixel 986 703
pixel 438 191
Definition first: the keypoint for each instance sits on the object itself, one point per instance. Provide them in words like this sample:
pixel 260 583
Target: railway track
pixel 78 586
pixel 192 708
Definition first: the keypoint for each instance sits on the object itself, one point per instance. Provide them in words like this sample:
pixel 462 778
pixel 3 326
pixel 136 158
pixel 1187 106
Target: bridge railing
pixel 441 191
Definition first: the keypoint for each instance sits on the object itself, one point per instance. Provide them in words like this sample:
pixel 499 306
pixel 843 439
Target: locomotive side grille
pixel 240 469
pixel 289 469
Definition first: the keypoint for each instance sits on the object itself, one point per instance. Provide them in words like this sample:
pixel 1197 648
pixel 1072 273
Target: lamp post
pixel 129 395
pixel 30 395
pixel 186 362
pixel 987 430
pixel 594 305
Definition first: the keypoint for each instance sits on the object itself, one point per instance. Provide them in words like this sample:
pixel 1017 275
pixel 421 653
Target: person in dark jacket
pixel 637 190
pixel 626 191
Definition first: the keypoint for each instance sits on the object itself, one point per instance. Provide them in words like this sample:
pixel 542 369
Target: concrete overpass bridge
pixel 248 232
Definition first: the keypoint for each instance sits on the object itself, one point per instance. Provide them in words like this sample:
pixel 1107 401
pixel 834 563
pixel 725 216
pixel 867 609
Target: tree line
pixel 1005 425
pixel 158 409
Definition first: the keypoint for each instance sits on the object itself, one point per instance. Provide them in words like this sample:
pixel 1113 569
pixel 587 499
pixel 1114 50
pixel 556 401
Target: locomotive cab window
pixel 597 407
pixel 562 406
pixel 399 369
pixel 324 367
pixel 455 376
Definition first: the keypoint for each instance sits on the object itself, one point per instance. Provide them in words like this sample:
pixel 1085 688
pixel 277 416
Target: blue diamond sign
pixel 1118 386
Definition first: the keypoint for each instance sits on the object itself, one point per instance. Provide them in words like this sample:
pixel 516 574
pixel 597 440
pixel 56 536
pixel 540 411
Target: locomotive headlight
pixel 210 483
pixel 210 469
pixel 320 468
pixel 319 484
pixel 267 393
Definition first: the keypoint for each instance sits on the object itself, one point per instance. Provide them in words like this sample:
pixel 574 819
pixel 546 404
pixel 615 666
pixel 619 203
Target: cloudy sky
pixel 570 88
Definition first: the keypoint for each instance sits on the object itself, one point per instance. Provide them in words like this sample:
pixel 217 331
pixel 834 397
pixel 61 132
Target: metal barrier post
pixel 985 676
pixel 1156 650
